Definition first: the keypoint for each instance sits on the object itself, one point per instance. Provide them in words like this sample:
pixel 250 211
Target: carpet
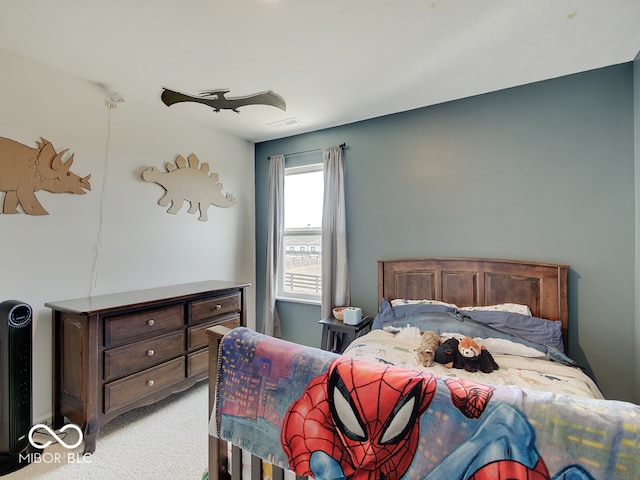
pixel 167 440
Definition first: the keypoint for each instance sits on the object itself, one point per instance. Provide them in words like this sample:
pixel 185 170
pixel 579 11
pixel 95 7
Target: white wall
pixel 116 237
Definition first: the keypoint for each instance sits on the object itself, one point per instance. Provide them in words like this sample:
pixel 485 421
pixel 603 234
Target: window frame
pixel 281 294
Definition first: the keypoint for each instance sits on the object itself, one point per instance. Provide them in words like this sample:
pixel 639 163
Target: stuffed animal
pixel 475 357
pixel 448 354
pixel 429 343
pixel 470 352
pixel 487 364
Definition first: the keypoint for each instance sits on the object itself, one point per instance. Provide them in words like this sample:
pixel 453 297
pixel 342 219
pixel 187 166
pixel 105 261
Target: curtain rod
pixel 342 145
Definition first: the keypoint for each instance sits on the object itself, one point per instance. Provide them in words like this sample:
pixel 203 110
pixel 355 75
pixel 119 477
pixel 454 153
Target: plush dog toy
pixel 429 343
pixel 476 358
pixel 448 354
pixel 465 354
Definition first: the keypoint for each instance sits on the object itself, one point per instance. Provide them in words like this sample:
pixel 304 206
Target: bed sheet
pixel 525 372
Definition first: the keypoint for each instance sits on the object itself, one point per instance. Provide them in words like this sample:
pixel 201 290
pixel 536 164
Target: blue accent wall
pixel 542 172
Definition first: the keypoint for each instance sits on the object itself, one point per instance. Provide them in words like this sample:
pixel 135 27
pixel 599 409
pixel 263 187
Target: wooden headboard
pixel 479 281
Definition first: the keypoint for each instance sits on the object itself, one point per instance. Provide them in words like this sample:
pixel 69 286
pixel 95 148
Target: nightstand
pixel 336 335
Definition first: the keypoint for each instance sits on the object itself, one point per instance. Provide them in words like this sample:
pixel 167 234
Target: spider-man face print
pixel 358 420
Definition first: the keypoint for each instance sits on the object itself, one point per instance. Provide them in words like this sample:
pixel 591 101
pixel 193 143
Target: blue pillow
pixel 440 323
pixel 387 312
pixel 534 329
pixel 401 311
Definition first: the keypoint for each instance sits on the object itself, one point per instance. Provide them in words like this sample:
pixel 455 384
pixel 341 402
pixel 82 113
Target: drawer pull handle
pixel 151 322
pixel 150 353
pixel 150 383
pixel 218 306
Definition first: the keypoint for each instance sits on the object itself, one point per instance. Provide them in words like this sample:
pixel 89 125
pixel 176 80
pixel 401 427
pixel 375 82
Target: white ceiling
pixel 333 61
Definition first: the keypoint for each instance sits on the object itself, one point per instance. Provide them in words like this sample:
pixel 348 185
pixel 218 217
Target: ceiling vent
pixel 287 122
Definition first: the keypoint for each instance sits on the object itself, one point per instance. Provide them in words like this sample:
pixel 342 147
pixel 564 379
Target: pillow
pixel 534 329
pixel 502 307
pixel 387 312
pixel 403 301
pixel 452 323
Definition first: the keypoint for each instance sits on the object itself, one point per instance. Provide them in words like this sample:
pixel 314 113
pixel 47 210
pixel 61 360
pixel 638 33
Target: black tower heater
pixel 15 382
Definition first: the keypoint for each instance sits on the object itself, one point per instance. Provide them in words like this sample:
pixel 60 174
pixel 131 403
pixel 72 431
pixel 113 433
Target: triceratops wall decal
pixel 25 170
pixel 184 181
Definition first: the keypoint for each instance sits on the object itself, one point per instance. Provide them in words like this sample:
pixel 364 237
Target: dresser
pixel 112 353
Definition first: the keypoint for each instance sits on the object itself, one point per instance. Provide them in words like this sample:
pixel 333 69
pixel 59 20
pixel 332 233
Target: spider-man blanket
pixel 327 416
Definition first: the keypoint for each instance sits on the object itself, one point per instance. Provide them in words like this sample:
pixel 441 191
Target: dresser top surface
pixel 99 303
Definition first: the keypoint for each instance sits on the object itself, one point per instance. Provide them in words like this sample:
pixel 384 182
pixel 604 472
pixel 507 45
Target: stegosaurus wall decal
pixel 186 181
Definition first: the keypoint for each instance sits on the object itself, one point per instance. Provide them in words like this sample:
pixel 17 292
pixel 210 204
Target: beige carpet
pixel 167 440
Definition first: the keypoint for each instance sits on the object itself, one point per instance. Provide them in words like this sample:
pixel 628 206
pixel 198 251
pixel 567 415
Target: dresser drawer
pixel 197 337
pixel 130 389
pixel 134 326
pixel 137 356
pixel 211 307
pixel 197 362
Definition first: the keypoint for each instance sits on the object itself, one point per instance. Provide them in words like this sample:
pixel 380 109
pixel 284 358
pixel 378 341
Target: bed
pixel 279 407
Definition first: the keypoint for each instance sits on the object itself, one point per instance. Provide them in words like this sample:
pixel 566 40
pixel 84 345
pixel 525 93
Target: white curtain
pixel 275 225
pixel 335 267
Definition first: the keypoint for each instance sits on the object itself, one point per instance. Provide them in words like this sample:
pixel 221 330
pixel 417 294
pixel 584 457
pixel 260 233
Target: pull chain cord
pixel 96 262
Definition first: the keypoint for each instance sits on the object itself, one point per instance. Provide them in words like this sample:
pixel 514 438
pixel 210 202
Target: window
pixel 300 275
